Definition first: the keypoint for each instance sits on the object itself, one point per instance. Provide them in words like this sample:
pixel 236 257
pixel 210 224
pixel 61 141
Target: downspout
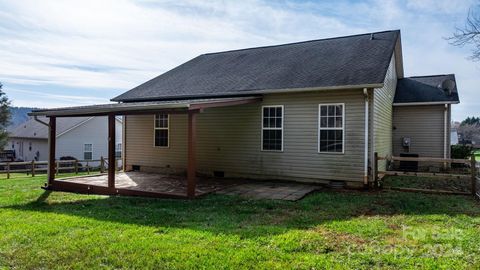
pixel 365 175
pixel 445 122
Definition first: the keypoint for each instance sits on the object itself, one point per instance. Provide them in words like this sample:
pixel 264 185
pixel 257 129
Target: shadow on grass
pixel 221 214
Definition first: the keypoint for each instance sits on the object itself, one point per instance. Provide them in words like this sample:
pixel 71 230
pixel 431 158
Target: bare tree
pixel 469 34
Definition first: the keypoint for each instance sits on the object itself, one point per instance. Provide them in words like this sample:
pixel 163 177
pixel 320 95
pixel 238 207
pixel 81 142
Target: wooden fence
pixel 33 167
pixel 473 174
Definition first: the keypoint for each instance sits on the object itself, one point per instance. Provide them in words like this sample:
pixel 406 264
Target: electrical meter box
pixel 406 142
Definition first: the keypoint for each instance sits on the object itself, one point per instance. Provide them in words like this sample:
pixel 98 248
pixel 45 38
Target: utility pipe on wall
pixel 445 123
pixel 365 175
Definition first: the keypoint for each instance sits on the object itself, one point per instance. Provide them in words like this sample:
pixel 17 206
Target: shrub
pixel 461 151
pixel 69 164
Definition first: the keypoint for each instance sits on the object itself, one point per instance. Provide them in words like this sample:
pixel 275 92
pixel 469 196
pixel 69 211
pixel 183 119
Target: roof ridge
pixel 301 42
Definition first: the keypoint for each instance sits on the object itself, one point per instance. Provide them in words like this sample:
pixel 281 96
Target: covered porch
pixel 150 185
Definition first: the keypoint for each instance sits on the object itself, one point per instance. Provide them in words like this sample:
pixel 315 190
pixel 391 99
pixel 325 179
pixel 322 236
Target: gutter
pixel 365 175
pixel 258 91
pixel 425 103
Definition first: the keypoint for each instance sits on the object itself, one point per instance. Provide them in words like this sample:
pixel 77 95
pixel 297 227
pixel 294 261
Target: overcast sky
pixel 64 53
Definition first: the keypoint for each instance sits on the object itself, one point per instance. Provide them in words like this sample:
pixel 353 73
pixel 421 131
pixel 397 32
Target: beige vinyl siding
pixel 383 114
pixel 139 144
pixel 424 125
pixel 229 140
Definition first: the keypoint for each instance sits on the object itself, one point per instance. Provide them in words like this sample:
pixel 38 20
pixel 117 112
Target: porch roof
pixel 180 105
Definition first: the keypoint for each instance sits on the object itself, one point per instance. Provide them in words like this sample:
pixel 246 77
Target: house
pixel 83 138
pixel 454 137
pixel 313 111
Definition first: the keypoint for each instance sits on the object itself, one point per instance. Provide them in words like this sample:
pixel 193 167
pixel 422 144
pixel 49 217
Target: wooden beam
pixel 375 169
pixel 111 151
pixel 225 103
pixel 473 174
pixel 192 168
pixel 70 186
pixel 52 134
pixel 426 174
pixel 119 113
pixel 426 159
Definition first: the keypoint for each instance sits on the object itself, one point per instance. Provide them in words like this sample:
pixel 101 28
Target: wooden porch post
pixel 52 133
pixel 192 168
pixel 111 151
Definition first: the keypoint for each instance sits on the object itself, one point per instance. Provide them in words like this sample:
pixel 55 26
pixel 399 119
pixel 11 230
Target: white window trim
pixel 262 127
pixel 342 128
pixel 167 128
pixel 87 151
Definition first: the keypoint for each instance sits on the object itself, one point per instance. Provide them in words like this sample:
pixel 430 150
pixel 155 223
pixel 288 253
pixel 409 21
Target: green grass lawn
pixel 351 229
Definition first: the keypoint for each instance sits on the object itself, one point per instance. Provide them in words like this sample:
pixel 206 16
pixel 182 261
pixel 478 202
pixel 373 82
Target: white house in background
pixel 84 138
pixel 453 137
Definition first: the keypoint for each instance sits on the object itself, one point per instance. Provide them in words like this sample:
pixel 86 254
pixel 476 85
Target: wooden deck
pixel 140 184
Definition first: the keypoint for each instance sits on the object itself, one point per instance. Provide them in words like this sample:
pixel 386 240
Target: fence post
pixel 88 168
pixel 75 165
pixel 8 170
pixel 116 165
pixel 102 164
pixel 375 169
pixel 33 168
pixel 474 174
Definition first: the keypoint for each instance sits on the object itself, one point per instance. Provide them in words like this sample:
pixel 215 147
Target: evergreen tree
pixel 471 121
pixel 4 117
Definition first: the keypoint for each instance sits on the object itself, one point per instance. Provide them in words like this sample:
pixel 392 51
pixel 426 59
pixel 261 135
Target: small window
pixel 331 123
pixel 272 128
pixel 118 150
pixel 88 151
pixel 161 130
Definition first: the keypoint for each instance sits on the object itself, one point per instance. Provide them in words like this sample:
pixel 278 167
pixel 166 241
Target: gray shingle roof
pixel 33 129
pixel 342 61
pixel 425 89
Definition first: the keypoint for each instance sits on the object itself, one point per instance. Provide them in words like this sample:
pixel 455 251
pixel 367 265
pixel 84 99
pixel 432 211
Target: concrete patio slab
pixel 287 191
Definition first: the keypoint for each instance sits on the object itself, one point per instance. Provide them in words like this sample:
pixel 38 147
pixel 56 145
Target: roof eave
pixel 399 104
pixel 257 92
pixel 86 111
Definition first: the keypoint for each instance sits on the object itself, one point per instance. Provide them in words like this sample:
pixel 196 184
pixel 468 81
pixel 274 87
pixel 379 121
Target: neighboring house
pixel 81 137
pixel 312 111
pixel 454 137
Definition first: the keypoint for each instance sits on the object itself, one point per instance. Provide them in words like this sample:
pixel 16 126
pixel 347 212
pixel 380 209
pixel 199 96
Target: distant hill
pixel 19 115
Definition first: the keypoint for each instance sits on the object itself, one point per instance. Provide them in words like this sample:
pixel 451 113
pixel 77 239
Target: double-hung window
pixel 88 151
pixel 272 128
pixel 331 128
pixel 118 150
pixel 161 130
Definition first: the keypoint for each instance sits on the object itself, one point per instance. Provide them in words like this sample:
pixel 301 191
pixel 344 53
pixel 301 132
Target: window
pixel 118 150
pixel 331 123
pixel 88 151
pixel 161 130
pixel 272 128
